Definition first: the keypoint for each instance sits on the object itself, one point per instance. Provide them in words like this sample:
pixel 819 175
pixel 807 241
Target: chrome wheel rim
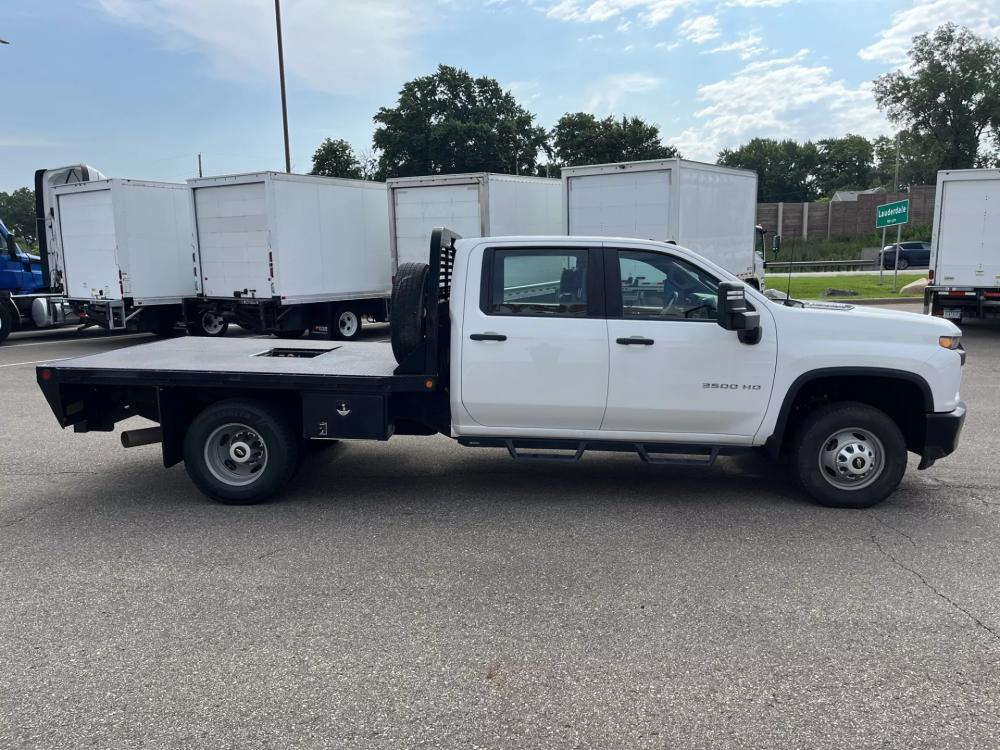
pixel 212 323
pixel 851 459
pixel 235 454
pixel 347 323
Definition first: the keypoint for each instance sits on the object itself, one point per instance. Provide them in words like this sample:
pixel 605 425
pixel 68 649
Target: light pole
pixel 281 75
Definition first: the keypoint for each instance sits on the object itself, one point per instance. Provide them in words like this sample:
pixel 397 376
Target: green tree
pixel 844 164
pixel 950 93
pixel 920 158
pixel 17 210
pixel 580 138
pixel 336 158
pixel 450 122
pixel 785 169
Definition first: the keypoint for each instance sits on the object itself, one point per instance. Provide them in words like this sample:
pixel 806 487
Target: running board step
pixel 538 449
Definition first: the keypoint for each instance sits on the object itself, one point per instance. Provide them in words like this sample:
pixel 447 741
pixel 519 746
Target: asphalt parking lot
pixel 418 594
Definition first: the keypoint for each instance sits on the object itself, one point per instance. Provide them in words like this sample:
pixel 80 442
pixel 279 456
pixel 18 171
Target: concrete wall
pixel 820 221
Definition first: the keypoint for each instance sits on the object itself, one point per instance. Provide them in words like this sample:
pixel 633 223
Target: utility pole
pixel 895 179
pixel 281 74
pixel 199 164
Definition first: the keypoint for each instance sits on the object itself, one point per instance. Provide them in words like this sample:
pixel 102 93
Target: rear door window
pixel 543 282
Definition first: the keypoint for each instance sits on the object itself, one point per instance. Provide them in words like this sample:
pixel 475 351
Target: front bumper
pixel 941 434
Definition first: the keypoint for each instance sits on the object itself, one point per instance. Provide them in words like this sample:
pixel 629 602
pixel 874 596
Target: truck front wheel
pixel 849 455
pixel 240 452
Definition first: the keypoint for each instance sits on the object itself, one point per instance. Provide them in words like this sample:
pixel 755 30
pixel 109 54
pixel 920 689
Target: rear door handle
pixel 635 340
pixel 488 337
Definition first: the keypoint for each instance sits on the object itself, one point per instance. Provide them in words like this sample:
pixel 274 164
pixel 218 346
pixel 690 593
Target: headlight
pixel 950 342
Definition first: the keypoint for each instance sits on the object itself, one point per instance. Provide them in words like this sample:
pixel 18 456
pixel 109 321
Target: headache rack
pixel 431 355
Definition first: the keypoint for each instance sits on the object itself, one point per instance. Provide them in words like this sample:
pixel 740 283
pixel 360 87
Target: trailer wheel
pixel 208 323
pixel 347 323
pixel 849 455
pixel 6 321
pixel 240 452
pixel 406 320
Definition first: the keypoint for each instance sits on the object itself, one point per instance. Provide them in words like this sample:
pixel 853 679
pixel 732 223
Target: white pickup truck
pixel 550 347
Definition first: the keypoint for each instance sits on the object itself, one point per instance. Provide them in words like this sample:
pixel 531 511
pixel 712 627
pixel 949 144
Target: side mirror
pixel 11 246
pixel 734 314
pixel 776 244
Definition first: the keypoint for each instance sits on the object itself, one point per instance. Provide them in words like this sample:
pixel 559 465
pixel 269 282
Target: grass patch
pixel 866 286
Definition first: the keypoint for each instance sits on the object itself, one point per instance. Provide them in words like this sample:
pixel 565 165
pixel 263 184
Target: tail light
pixel 930 275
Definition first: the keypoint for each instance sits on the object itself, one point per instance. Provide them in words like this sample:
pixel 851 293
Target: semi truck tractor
pixel 543 347
pixel 964 275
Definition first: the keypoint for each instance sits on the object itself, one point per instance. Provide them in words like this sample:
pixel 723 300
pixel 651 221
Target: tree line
pixel 945 104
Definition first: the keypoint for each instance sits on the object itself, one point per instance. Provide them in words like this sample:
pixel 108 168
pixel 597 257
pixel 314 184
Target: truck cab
pixel 551 347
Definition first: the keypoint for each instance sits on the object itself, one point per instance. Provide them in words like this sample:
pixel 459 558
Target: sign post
pixel 892 215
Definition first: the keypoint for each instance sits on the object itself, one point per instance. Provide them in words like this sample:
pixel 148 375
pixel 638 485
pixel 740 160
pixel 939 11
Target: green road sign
pixel 891 214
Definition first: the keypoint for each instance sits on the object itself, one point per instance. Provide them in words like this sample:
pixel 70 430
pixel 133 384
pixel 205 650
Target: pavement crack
pixel 893 528
pixel 940 594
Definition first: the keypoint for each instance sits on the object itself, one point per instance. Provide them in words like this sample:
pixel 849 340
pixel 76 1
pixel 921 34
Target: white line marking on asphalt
pixel 35 362
pixel 74 341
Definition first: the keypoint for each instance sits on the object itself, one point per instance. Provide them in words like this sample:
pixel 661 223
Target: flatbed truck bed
pixel 246 363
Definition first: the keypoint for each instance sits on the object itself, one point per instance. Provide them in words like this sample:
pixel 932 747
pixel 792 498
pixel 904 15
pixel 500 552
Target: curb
pixel 877 301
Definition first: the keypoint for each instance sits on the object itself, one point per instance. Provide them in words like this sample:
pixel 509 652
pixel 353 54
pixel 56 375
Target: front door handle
pixel 488 337
pixel 642 340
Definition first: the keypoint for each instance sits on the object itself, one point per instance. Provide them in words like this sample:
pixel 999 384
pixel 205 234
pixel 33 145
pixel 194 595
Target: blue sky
pixel 138 87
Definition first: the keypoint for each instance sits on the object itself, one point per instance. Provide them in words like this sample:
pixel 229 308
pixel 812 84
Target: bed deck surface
pixel 195 354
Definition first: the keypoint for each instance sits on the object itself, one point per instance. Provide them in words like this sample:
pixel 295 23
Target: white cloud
pixel 779 98
pixel 651 12
pixel 609 91
pixel 700 29
pixel 758 3
pixel 747 46
pixel 982 16
pixel 339 47
pixel 524 91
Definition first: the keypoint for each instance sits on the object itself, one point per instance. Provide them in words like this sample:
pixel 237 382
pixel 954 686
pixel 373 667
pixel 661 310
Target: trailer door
pixel 621 204
pixel 419 210
pixel 232 239
pixel 90 253
pixel 968 248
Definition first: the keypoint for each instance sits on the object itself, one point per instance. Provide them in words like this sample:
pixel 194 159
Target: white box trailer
pixel 709 209
pixel 481 204
pixel 126 251
pixel 287 253
pixel 964 276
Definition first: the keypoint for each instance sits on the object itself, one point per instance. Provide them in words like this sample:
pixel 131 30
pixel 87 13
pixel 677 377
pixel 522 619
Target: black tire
pixel 261 421
pixel 817 447
pixel 6 320
pixel 903 264
pixel 347 323
pixel 406 321
pixel 208 323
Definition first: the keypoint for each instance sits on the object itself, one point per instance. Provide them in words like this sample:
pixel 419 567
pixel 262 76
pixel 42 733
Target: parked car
pixel 910 254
